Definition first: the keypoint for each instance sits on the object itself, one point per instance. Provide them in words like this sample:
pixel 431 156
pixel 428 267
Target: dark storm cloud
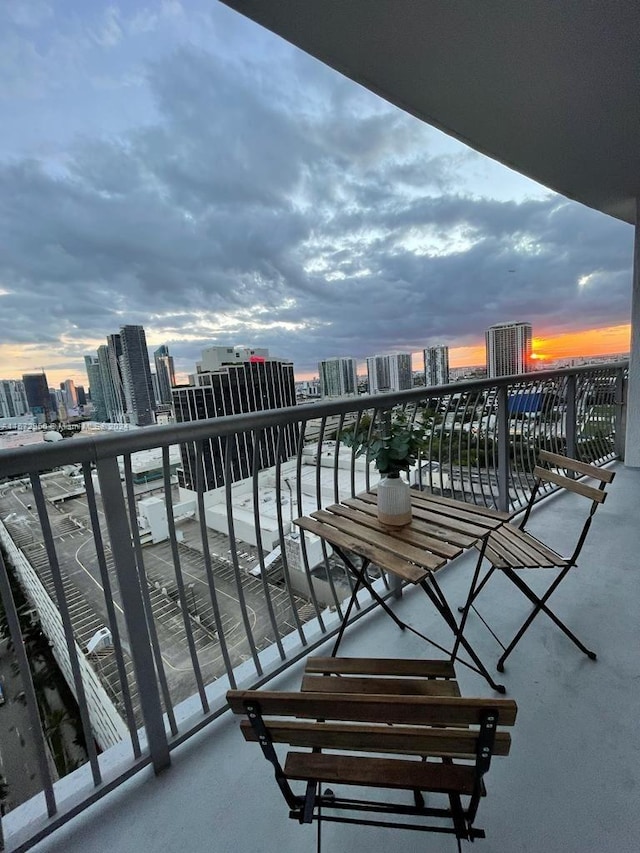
pixel 288 189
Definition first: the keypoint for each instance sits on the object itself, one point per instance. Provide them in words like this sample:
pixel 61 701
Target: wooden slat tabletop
pixel 385 559
pixel 440 529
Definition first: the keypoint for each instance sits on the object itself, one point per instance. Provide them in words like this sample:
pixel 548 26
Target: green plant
pixel 393 441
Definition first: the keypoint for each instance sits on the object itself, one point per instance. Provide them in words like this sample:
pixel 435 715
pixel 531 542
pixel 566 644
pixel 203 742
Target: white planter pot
pixel 394 502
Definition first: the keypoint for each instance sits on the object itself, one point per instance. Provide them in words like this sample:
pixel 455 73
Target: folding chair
pixel 511 548
pixel 396 725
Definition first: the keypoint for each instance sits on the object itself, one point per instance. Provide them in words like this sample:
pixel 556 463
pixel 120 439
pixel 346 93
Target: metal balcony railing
pixel 155 602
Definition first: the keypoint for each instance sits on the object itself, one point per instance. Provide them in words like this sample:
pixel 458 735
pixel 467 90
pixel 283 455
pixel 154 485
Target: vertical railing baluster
pixel 352 468
pixel 303 543
pixel 283 550
pixel 111 610
pixel 522 394
pixel 373 413
pixel 461 436
pixel 480 445
pixel 502 424
pixel 336 454
pixel 570 417
pixel 228 478
pixel 175 554
pixel 134 610
pixel 134 538
pixel 454 407
pixel 560 445
pixel 15 633
pixel 319 502
pixel 58 583
pixel 620 415
pixel 206 555
pixel 258 437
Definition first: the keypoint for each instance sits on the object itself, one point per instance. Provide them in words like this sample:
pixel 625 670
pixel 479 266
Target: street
pixel 18 758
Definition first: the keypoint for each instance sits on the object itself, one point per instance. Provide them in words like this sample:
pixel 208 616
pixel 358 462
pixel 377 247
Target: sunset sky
pixel 614 340
pixel 173 165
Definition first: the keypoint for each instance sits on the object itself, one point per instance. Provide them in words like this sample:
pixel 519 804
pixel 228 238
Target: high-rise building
pixel 508 349
pixel 13 400
pixel 390 372
pixel 436 365
pixel 165 373
pixel 36 389
pixel 96 391
pixel 113 402
pixel 136 376
pixel 82 395
pixel 338 377
pixel 70 395
pixel 230 381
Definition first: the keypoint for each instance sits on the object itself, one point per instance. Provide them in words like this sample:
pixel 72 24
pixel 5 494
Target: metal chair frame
pixel 510 564
pixel 385 705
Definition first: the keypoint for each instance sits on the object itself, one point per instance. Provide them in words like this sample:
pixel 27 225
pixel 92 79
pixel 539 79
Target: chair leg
pixel 539 605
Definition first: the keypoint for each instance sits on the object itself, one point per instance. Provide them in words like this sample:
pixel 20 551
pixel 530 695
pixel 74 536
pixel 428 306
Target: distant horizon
pixel 591 343
pixel 606 341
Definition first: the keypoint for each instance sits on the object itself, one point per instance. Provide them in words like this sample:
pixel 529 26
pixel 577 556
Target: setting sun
pixel 610 340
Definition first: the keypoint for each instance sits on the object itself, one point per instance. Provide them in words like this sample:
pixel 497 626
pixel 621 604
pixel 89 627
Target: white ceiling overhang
pixel 550 88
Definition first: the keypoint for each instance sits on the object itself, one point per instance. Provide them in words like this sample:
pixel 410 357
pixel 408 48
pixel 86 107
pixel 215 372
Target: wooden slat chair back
pixel 354 724
pixel 511 548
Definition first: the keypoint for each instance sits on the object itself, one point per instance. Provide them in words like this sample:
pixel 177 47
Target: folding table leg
pixel 471 596
pixel 361 580
pixel 437 597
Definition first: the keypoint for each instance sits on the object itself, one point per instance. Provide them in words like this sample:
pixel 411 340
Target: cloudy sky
pixel 171 164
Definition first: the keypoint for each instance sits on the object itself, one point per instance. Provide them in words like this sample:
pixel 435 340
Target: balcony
pixel 574 757
pixel 569 784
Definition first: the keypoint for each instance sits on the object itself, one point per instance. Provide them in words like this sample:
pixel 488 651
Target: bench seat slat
pixel 381 666
pixel 411 710
pixel 539 552
pixel 411 740
pixel 513 554
pixel 394 686
pixel 380 772
pixel 519 549
pixel 523 552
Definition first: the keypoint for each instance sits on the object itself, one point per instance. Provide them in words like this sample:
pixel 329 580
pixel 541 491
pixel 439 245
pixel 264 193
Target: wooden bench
pixel 385 724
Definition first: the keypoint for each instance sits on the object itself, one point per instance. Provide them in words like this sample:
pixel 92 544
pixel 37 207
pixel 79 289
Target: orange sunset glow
pixel 610 340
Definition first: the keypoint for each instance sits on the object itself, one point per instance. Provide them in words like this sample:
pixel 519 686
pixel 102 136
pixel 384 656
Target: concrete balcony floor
pixel 570 784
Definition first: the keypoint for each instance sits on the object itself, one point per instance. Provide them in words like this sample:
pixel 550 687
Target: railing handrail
pixel 22 460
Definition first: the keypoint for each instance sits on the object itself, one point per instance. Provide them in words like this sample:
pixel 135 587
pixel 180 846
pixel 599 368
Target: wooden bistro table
pixel 440 530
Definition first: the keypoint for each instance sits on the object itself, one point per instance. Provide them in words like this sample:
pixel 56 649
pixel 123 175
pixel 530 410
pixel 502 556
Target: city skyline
pixel 339 225
pixel 594 343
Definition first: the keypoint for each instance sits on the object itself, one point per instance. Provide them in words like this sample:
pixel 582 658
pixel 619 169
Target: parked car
pixel 2 697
